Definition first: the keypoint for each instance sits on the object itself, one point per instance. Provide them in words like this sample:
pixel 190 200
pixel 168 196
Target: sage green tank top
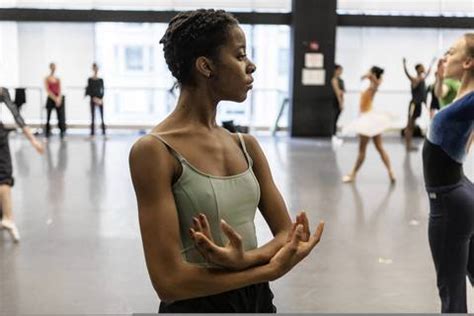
pixel 232 198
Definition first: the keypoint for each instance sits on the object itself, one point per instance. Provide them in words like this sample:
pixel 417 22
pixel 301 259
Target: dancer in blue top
pixel 451 193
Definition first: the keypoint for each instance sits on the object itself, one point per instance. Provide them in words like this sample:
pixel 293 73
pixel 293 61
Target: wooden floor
pixel 81 251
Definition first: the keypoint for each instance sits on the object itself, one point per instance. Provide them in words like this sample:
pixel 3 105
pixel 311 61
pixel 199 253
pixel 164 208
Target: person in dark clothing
pixel 54 101
pixel 20 98
pixel 418 97
pixel 95 89
pixel 6 171
pixel 338 100
pixel 450 192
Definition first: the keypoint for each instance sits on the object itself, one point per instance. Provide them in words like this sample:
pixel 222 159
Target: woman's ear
pixel 204 66
pixel 468 64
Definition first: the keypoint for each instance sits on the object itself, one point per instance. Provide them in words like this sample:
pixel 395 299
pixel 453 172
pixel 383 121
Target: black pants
pixel 60 114
pixel 257 298
pixel 101 109
pixel 337 112
pixel 451 235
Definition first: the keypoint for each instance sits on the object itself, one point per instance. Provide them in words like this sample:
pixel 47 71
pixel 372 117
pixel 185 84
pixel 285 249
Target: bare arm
pixel 152 170
pixel 5 95
pixel 406 71
pixel 440 89
pixel 272 206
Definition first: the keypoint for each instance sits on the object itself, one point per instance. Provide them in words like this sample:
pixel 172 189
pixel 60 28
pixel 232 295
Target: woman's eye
pixel 242 57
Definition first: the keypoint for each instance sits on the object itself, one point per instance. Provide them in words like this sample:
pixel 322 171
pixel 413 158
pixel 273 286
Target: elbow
pixel 169 288
pixel 164 291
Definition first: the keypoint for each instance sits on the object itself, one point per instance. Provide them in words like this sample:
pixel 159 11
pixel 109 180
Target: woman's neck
pixel 197 106
pixel 467 84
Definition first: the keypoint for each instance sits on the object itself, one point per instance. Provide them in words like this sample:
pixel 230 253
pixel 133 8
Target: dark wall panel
pixel 311 106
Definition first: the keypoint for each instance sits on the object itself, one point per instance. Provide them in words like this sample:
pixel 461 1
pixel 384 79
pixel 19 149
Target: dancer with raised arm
pixel 450 192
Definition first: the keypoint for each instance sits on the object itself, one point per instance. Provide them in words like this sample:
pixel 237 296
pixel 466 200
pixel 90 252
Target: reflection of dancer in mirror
pixel 6 172
pixel 370 125
pixel 418 97
pixel 198 186
pixel 95 89
pixel 450 192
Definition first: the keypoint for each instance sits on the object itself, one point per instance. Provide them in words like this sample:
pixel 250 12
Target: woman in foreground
pixel 198 186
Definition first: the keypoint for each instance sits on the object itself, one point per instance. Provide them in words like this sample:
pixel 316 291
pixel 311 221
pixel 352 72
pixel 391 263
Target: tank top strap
pixel 244 148
pixel 173 151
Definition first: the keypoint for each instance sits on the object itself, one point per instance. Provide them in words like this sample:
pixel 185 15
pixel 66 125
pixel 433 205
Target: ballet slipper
pixel 11 229
pixel 348 178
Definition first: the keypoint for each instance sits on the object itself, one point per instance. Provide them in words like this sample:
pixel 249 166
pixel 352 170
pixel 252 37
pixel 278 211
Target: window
pixel 407 7
pixel 134 58
pixel 154 5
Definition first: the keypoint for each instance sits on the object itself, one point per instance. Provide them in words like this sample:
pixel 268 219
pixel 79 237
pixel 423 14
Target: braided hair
pixel 193 34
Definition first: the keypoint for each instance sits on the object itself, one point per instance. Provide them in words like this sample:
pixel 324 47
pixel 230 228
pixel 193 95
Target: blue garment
pixel 451 127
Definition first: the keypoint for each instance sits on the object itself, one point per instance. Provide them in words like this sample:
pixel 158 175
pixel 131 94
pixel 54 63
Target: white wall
pixel 71 47
pixel 8 54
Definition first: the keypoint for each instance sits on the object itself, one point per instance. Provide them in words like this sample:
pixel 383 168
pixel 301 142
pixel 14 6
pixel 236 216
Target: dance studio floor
pixel 81 251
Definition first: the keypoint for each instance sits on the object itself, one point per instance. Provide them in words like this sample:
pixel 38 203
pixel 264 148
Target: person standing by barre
pixel 95 90
pixel 54 101
pixel 338 89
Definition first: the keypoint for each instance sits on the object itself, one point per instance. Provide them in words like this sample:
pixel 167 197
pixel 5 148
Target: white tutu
pixel 370 124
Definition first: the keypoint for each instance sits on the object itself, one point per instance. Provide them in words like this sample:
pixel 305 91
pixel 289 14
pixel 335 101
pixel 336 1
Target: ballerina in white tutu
pixel 370 125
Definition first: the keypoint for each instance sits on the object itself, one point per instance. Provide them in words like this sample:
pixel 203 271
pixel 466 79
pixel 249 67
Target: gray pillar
pixel 313 22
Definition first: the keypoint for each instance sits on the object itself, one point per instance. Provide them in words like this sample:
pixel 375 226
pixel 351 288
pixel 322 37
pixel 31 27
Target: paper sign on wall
pixel 313 60
pixel 313 77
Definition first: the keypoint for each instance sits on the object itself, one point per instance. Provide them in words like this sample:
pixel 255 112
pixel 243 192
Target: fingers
pixel 317 234
pixel 206 228
pixel 197 224
pixel 296 237
pixel 302 219
pixel 234 238
pixel 305 222
pixel 204 244
pixel 292 232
